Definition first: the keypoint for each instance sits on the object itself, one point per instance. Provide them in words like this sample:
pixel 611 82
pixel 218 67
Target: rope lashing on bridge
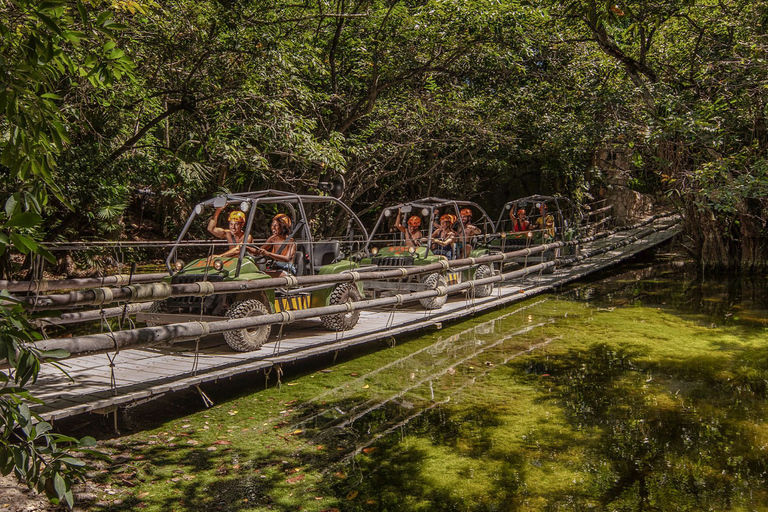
pixel 192 288
pixel 160 291
pixel 44 285
pixel 155 291
pixel 206 288
pixel 102 296
pixel 192 330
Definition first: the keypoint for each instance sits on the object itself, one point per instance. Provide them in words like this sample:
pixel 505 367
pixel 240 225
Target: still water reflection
pixel 642 391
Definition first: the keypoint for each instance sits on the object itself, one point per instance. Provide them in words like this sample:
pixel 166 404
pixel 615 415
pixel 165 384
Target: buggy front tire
pixel 433 281
pixel 245 340
pixel 342 294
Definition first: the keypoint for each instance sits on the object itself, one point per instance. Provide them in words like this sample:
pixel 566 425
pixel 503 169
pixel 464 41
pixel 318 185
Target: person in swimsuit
pixel 443 237
pixel 278 248
pixel 234 235
pixel 412 232
pixel 468 231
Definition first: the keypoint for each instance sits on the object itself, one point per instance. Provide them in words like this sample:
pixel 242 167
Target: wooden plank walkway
pixel 140 374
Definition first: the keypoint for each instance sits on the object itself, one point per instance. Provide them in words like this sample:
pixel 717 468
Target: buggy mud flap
pixel 292 303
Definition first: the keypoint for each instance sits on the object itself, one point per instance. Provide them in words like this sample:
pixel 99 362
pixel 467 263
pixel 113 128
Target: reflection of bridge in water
pixel 103 382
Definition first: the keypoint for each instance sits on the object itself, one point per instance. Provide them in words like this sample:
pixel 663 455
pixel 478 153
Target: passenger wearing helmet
pixel 444 237
pixel 519 221
pixel 413 232
pixel 234 235
pixel 279 248
pixel 468 231
pixel 546 223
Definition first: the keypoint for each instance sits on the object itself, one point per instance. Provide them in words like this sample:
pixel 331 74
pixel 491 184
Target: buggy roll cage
pixel 429 208
pixel 248 201
pixel 561 205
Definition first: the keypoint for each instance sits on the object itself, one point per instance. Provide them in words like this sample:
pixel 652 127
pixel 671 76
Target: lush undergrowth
pixel 555 406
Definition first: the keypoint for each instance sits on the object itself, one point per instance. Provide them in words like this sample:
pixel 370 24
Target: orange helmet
pixel 466 212
pixel 447 217
pixel 414 221
pixel 283 219
pixel 236 216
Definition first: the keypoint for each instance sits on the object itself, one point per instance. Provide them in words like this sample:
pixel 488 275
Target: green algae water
pixel 645 390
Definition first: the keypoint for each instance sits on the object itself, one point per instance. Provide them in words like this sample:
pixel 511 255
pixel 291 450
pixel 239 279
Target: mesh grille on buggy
pixel 393 262
pixel 190 302
pixel 196 278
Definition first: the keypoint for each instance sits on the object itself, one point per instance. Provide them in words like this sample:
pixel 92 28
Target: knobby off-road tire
pixel 483 272
pixel 341 294
pixel 245 340
pixel 433 281
pixel 159 306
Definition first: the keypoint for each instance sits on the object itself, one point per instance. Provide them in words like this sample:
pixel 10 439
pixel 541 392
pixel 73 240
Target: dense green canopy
pixel 484 100
pixel 117 116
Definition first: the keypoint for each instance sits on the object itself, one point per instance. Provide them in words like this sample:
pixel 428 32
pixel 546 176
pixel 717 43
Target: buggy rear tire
pixel 245 340
pixel 433 281
pixel 341 294
pixel 484 290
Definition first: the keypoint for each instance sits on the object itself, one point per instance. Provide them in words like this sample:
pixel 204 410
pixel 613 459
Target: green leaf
pixel 20 243
pixel 58 353
pixel 59 485
pixel 71 461
pixel 24 220
pixel 82 11
pixel 50 24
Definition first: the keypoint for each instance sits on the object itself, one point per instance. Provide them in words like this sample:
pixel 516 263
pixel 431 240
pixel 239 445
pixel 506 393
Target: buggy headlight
pixel 424 212
pixel 199 209
pixel 218 264
pixel 412 250
pixel 178 265
pixel 503 234
pixel 374 250
pixel 245 205
pixel 530 234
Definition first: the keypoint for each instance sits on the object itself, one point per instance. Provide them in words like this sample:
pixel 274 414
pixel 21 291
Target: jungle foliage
pixel 482 99
pixel 116 117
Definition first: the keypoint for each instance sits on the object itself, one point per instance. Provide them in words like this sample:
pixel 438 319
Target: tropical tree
pixel 45 48
pixel 697 121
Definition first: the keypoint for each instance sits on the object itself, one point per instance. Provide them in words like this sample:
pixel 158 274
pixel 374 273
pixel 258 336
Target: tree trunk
pixel 754 257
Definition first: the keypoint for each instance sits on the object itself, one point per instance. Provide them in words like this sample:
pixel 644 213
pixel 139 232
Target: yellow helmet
pixel 236 216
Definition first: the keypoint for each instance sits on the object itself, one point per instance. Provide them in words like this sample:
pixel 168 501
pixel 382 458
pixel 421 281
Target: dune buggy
pixel 325 232
pixel 536 220
pixel 389 247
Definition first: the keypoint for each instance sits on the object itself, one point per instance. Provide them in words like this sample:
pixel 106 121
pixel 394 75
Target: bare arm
pixel 398 224
pixel 269 249
pixel 213 227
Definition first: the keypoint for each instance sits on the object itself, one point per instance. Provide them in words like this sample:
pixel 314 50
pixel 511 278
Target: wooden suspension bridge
pixel 125 373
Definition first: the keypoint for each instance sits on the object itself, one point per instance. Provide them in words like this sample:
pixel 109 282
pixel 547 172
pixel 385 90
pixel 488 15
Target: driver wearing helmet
pixel 444 237
pixel 279 248
pixel 412 232
pixel 234 235
pixel 468 231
